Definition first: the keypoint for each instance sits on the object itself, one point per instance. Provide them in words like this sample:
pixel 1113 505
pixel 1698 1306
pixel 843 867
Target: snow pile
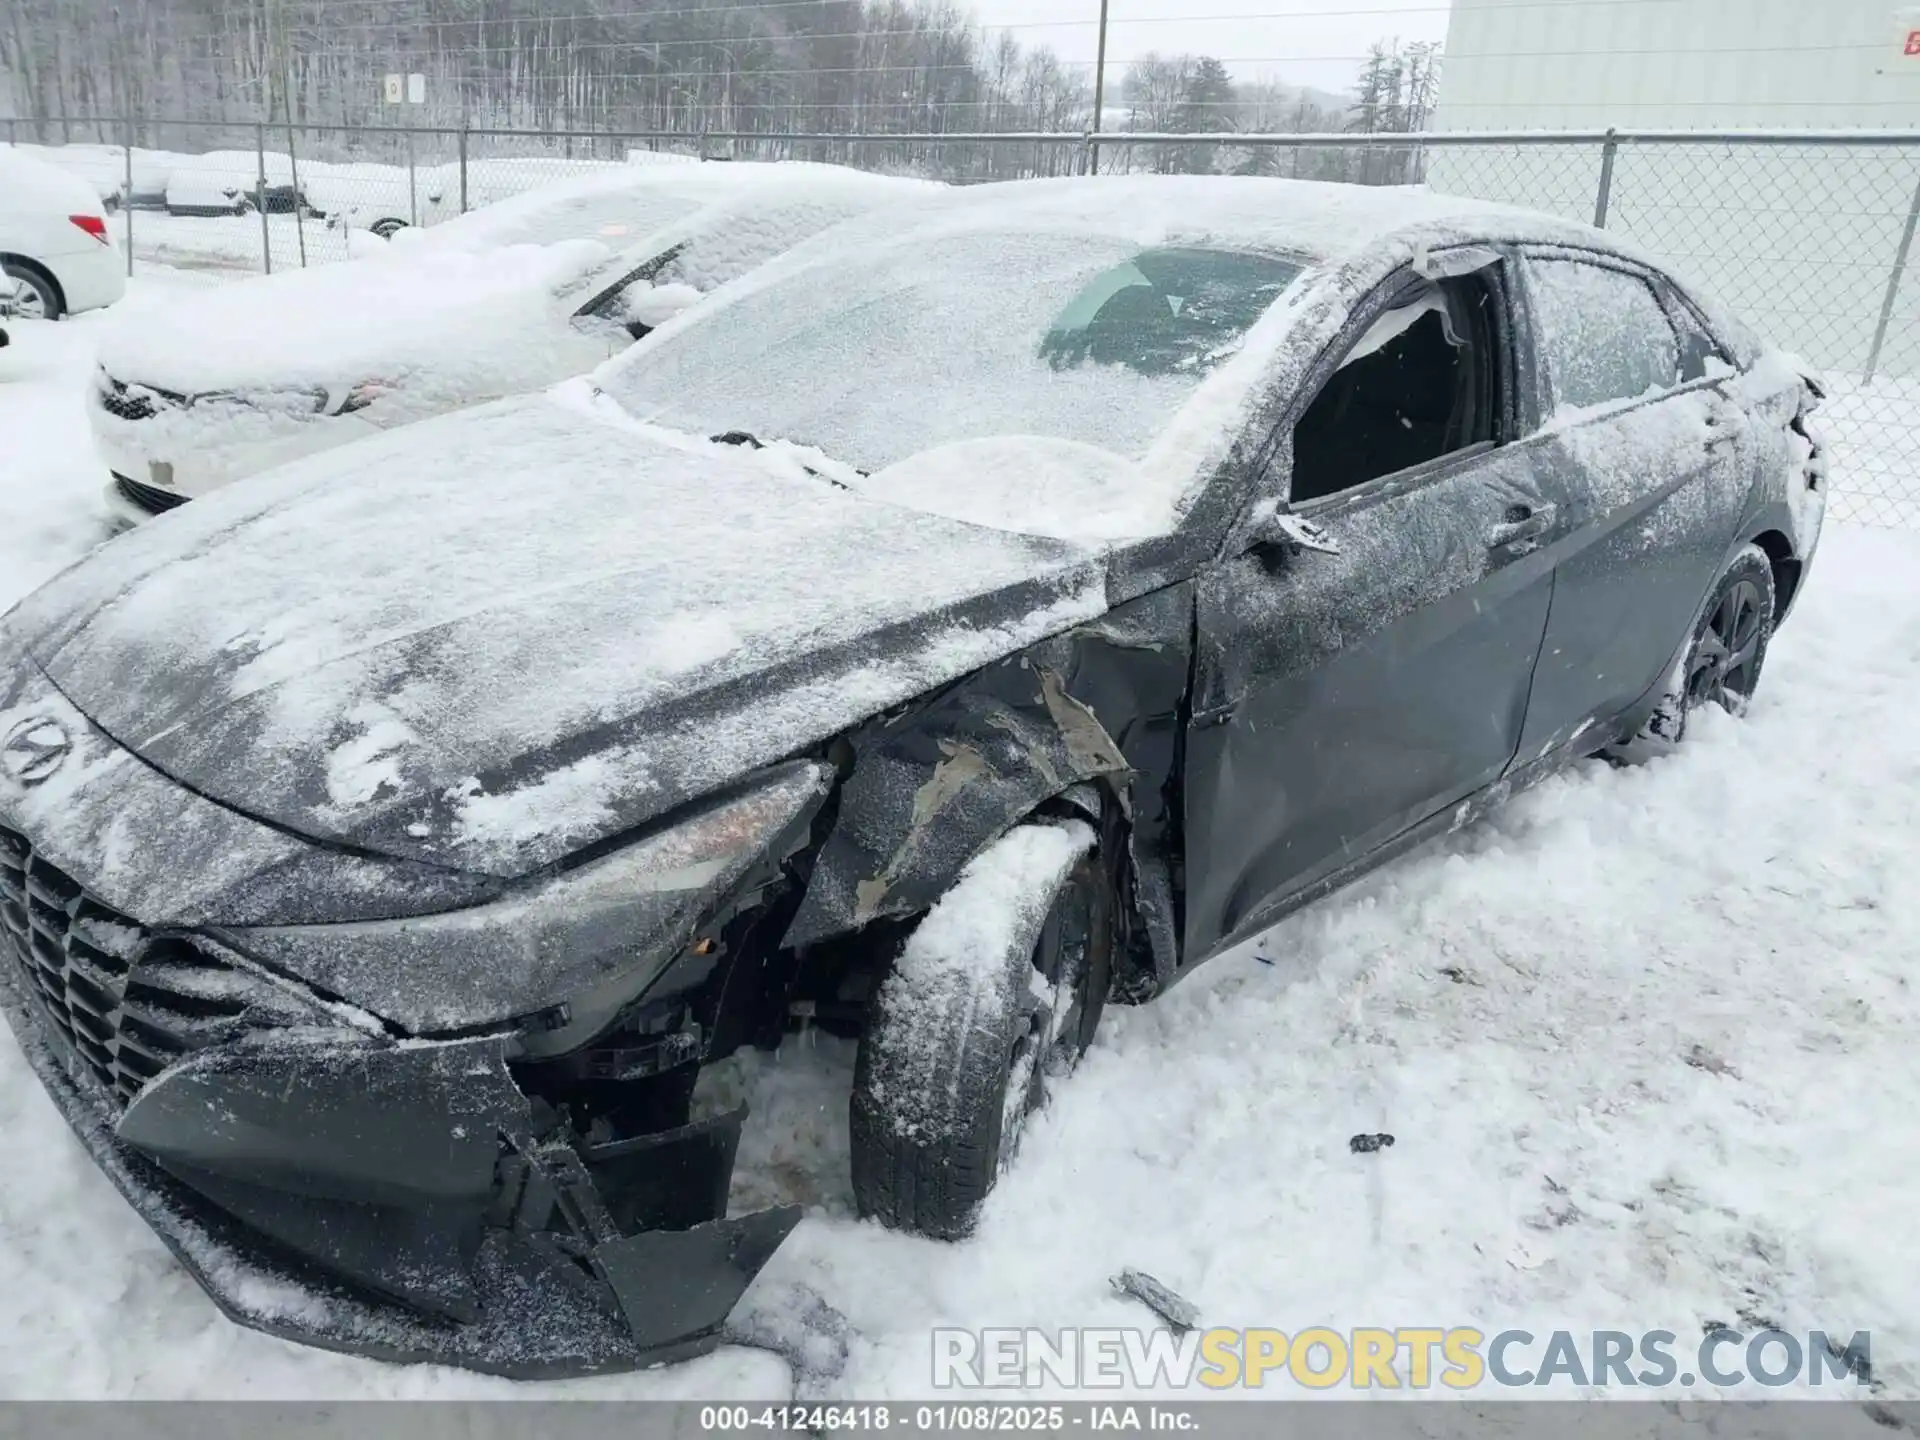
pixel 1031 484
pixel 654 305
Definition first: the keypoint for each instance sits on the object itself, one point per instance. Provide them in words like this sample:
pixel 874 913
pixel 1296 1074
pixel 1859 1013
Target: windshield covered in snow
pixel 870 359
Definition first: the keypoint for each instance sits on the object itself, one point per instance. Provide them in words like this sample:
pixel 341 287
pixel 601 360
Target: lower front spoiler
pixel 536 1315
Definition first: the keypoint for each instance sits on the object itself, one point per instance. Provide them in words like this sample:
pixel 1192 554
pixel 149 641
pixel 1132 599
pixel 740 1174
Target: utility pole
pixel 1099 92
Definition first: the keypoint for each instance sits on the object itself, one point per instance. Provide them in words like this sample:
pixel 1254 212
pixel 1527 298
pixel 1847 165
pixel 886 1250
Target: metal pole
pixel 463 167
pixel 1604 199
pixel 266 233
pixel 299 200
pixel 1099 95
pixel 1893 286
pixel 413 190
pixel 126 197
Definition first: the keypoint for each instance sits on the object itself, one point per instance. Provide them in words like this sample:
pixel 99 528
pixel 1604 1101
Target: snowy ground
pixel 1645 1041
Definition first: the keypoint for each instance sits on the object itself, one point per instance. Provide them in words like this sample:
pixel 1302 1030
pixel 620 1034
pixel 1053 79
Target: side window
pixel 1603 333
pixel 1421 383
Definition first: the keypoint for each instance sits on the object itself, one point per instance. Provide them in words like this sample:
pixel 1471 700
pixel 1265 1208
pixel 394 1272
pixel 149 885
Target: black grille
pixel 149 498
pixel 116 401
pixel 117 398
pixel 121 1002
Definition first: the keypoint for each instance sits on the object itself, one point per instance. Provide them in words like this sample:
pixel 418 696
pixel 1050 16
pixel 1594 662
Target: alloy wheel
pixel 1725 667
pixel 28 302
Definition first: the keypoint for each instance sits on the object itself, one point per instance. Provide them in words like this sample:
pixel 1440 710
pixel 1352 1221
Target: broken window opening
pixel 1418 385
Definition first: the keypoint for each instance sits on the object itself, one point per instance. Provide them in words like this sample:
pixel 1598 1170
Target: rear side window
pixel 1603 333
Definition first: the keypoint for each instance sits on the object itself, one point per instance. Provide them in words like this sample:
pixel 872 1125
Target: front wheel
pixel 993 997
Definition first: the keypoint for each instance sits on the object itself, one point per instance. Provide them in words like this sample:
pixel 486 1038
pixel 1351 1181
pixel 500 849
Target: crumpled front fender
pixel 931 787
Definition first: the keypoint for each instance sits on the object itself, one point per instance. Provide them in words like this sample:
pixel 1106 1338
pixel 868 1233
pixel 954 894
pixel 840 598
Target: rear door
pixel 1651 461
pixel 1341 698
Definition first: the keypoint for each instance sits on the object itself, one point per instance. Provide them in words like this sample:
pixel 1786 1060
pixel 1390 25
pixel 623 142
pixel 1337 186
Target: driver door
pixel 1342 698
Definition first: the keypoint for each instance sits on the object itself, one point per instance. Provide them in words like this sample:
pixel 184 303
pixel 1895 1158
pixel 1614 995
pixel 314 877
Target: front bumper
pixel 327 1184
pixel 168 465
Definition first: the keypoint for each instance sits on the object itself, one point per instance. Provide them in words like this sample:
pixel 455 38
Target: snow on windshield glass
pixel 1064 337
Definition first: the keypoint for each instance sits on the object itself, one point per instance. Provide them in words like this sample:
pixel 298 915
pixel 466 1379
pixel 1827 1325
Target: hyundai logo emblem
pixel 34 749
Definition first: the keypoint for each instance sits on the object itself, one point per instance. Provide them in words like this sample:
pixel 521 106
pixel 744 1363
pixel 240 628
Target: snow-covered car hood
pixel 449 320
pixel 492 638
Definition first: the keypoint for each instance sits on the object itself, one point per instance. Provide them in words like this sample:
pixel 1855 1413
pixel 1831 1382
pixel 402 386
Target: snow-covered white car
pixel 992 608
pixel 218 385
pixel 54 240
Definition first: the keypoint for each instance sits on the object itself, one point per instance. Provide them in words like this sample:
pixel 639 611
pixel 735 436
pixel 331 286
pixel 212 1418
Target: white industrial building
pixel 1805 239
pixel 1679 64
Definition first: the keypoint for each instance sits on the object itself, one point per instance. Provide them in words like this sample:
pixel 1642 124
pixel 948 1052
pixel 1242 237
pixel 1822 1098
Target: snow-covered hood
pixel 438 314
pixel 492 638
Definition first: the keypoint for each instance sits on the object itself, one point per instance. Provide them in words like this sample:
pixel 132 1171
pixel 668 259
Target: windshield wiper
pixel 751 441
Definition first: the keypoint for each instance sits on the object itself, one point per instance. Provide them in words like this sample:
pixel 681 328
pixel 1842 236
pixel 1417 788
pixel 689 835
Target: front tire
pixel 993 998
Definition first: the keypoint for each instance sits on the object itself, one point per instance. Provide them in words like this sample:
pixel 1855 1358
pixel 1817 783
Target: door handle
pixel 1523 522
pixel 1724 426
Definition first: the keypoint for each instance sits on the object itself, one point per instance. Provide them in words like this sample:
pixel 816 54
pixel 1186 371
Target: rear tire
pixel 964 1041
pixel 43 303
pixel 388 228
pixel 1724 658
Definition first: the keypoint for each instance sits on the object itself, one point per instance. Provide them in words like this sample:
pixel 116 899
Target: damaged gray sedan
pixel 989 611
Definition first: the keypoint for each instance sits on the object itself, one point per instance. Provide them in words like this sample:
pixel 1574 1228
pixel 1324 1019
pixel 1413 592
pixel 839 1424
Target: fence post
pixel 299 199
pixel 266 231
pixel 413 190
pixel 463 167
pixel 1604 200
pixel 1893 287
pixel 126 196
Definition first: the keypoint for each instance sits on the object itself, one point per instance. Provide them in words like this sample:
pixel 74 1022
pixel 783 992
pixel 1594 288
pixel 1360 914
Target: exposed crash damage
pixel 387 845
pixel 542 1200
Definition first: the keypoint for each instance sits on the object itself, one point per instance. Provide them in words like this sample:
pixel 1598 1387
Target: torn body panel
pixel 409 1202
pixel 928 788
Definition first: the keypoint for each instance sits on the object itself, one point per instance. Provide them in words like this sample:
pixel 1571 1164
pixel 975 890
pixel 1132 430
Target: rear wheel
pixel 386 229
pixel 1725 655
pixel 990 1002
pixel 37 298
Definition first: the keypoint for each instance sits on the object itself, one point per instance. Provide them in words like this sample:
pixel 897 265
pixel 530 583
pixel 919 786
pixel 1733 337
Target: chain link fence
pixel 1807 235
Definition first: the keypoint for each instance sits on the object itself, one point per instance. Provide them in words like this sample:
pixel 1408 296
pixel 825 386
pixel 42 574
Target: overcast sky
pixel 1305 42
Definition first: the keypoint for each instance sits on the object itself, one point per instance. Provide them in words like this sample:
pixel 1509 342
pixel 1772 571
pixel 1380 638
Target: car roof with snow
pixel 626 204
pixel 1307 219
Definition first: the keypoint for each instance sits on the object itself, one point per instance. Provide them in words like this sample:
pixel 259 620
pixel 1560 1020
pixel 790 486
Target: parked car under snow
pixel 215 386
pixel 995 608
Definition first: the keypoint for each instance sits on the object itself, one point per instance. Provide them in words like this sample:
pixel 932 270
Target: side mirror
pixel 1269 525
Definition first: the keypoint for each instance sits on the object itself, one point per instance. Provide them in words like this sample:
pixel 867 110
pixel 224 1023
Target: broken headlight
pixel 590 938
